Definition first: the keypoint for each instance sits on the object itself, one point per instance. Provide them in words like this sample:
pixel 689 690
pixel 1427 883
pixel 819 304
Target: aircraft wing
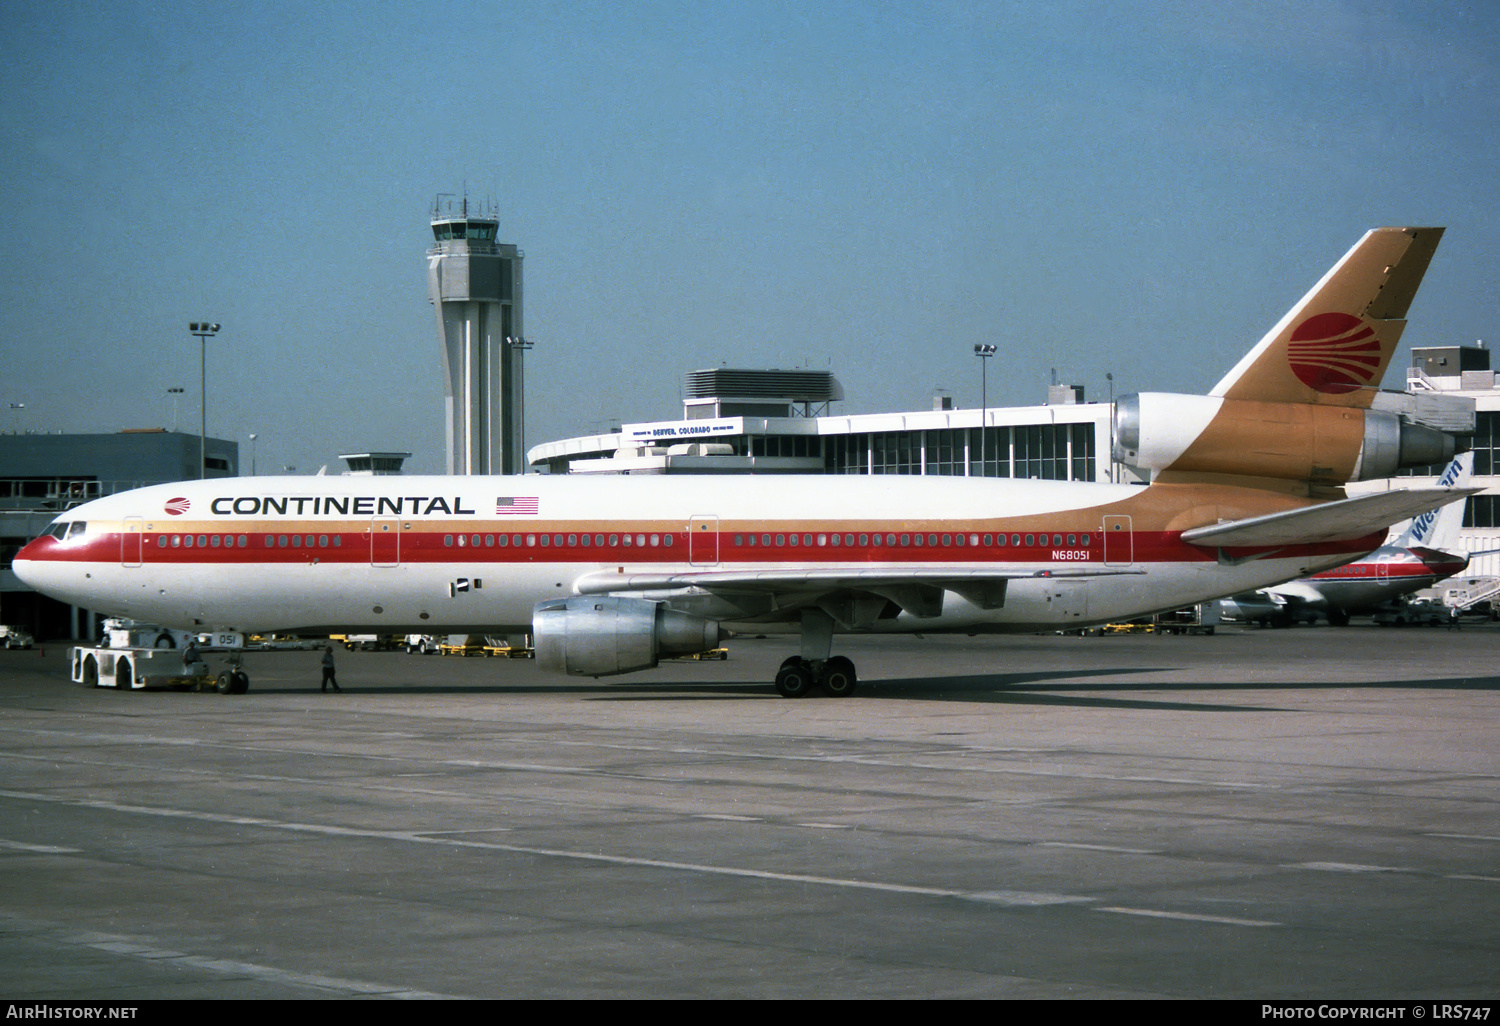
pixel 854 597
pixel 604 583
pixel 1331 521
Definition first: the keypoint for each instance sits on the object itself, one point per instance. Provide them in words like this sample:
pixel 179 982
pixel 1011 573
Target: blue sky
pixel 1132 188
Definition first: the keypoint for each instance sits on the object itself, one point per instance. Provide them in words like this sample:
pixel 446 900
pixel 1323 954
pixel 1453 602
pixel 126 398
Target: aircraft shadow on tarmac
pixel 1055 688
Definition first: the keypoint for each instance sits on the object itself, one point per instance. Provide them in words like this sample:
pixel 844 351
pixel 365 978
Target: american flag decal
pixel 516 505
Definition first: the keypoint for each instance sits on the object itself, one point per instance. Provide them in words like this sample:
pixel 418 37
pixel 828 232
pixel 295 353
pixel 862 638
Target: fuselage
pixel 435 554
pixel 1364 584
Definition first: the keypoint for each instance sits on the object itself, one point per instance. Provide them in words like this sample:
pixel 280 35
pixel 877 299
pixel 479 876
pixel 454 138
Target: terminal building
pixel 776 422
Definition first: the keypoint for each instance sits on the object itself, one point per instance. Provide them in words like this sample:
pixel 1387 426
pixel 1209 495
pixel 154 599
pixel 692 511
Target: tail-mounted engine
pixel 589 636
pixel 1297 441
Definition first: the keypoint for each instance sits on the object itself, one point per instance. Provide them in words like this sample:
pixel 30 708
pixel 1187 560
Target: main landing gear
pixel 799 673
pixel 797 677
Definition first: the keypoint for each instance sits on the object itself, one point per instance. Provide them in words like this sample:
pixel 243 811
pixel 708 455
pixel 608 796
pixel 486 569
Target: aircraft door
pixel 1119 542
pixel 130 541
pixel 385 542
pixel 703 540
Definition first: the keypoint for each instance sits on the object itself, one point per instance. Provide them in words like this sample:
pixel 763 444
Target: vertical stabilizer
pixel 1333 347
pixel 1439 528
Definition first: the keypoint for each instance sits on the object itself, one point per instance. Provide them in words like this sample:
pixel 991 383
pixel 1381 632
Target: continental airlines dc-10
pixel 609 574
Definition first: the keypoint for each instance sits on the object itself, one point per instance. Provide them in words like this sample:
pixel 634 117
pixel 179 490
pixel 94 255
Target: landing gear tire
pixel 838 677
pixel 794 679
pixel 239 682
pixel 225 684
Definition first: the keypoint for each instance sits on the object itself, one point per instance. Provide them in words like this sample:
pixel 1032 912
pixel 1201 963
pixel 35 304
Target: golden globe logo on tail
pixel 1334 353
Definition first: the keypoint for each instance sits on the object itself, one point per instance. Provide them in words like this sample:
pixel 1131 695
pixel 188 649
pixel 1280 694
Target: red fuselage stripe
pixel 204 548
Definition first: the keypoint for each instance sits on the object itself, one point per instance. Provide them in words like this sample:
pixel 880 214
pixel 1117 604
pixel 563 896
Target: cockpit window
pixel 64 530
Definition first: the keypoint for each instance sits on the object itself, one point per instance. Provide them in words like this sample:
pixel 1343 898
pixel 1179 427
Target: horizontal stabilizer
pixel 1331 521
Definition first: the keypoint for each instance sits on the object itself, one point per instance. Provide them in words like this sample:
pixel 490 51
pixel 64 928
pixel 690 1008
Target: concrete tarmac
pixel 1280 814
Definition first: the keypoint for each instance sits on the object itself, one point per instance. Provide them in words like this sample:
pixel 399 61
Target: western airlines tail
pixel 1438 529
pixel 1333 347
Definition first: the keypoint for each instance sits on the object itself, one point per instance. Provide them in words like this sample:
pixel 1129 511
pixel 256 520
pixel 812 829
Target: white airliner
pixel 1425 552
pixel 611 573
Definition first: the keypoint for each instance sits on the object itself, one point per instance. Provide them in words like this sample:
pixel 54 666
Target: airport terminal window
pixel 1081 451
pixel 945 452
pixel 847 454
pixel 1482 511
pixel 1485 442
pixel 895 452
pixel 989 452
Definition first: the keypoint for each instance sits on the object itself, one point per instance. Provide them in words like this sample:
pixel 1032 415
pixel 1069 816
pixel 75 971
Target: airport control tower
pixel 474 284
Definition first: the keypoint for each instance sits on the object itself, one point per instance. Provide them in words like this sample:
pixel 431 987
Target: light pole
pixel 176 394
pixel 205 331
pixel 1111 379
pixel 984 352
pixel 252 455
pixel 519 344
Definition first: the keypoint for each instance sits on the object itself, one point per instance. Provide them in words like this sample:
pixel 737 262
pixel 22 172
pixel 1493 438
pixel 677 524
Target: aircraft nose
pixel 30 565
pixel 22 562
